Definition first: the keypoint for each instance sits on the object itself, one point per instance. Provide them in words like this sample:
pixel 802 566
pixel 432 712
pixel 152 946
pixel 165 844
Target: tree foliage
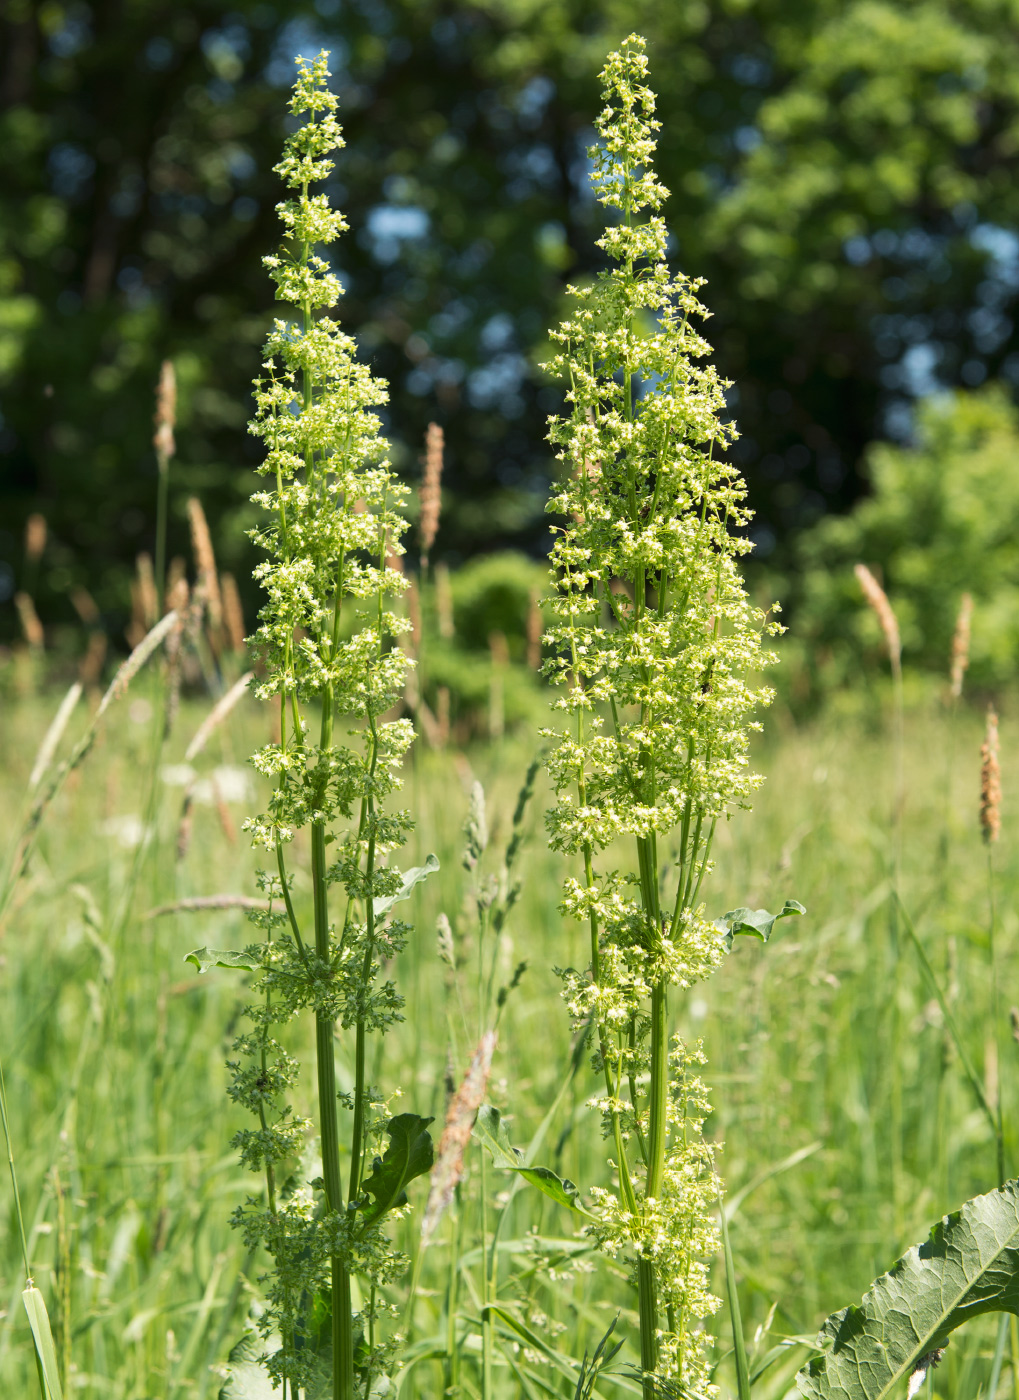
pixel 841 174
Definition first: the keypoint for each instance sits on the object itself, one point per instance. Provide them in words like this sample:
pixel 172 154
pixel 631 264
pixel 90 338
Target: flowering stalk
pixel 653 635
pixel 327 637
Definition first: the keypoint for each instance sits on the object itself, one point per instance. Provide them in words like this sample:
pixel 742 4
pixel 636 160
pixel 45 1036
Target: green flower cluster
pixel 329 639
pixel 654 639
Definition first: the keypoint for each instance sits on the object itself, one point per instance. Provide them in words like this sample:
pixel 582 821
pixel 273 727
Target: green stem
pixel 999 1135
pixel 342 1321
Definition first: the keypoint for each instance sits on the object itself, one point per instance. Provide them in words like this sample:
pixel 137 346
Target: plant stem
pixel 999 1136
pixel 342 1322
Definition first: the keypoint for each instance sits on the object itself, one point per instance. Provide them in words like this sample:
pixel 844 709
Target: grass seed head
pixel 233 613
pixel 35 537
pixel 31 627
pixel 430 492
pixel 878 600
pixel 166 411
pixel 205 561
pixel 456 1134
pixel 960 644
pixel 990 781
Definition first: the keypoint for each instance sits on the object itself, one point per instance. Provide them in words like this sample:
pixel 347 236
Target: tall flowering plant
pixel 654 639
pixel 327 635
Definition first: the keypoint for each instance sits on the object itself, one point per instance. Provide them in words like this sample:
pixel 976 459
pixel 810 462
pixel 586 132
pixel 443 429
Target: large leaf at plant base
pixel 968 1266
pixel 204 958
pixel 490 1131
pixel 246 1377
pixel 411 877
pixel 757 922
pixel 408 1155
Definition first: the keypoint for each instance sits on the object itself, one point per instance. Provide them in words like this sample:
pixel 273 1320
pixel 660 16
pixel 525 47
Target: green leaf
pixel 490 1131
pixel 39 1321
pixel 408 1155
pixel 204 958
pixel 411 877
pixel 969 1265
pixel 247 1378
pixel 757 922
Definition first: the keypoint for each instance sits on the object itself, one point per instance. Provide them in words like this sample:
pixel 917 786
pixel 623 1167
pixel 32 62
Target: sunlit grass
pixel 827 1039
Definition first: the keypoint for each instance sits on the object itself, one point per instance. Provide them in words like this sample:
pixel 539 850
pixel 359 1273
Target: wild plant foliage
pixel 654 638
pixel 326 635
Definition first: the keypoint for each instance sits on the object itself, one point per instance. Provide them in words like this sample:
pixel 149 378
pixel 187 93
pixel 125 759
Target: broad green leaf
pixel 757 922
pixel 969 1265
pixel 246 1378
pixel 411 877
pixel 408 1155
pixel 39 1321
pixel 204 958
pixel 490 1131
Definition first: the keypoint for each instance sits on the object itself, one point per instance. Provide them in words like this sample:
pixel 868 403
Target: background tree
pixel 841 174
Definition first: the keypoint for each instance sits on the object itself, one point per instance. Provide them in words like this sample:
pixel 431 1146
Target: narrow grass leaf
pixel 735 1315
pixel 969 1265
pixel 39 1321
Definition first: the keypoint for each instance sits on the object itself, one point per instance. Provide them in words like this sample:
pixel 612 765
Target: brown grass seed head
pixel 990 781
pixel 166 411
pixel 960 644
pixel 430 491
pixel 878 600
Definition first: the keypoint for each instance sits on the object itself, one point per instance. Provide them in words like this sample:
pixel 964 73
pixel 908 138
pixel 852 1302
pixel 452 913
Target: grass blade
pixel 39 1321
pixel 735 1316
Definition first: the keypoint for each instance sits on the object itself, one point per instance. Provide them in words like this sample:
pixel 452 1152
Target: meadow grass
pixel 827 1045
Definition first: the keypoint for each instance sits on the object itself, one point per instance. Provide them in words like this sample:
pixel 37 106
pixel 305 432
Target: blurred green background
pixel 842 174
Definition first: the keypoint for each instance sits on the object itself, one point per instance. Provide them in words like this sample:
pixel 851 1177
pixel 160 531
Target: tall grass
pixel 116 1086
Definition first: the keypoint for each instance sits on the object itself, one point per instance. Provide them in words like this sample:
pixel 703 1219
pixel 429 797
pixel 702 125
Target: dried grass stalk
pixel 35 537
pixel 174 575
pixel 960 644
pixel 990 781
pixel 91 669
pixel 233 613
pixel 135 662
pixel 31 627
pixel 148 598
pixel 202 903
pixel 456 1133
pixel 216 716
pixel 177 597
pixel 430 491
pixel 53 735
pixel 47 791
pixel 86 607
pixel 166 411
pixel 878 600
pixel 205 561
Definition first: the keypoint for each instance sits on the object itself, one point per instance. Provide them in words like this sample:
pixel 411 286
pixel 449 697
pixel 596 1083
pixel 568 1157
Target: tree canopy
pixel 840 173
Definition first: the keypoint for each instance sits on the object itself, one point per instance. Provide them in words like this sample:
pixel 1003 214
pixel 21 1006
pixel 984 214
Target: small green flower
pixel 328 637
pixel 654 640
